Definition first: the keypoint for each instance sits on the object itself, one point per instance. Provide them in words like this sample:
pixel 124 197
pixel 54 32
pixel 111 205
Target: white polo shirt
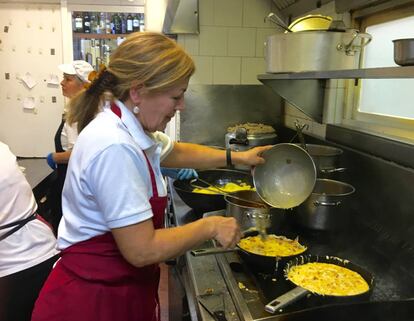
pixel 69 135
pixel 108 183
pixel 34 243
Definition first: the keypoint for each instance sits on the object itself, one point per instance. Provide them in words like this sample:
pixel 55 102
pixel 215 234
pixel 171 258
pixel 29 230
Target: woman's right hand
pixel 225 230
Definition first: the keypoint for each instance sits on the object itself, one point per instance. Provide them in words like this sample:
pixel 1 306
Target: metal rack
pixel 306 90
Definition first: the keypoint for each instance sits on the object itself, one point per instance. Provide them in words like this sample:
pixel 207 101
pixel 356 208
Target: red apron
pixel 92 281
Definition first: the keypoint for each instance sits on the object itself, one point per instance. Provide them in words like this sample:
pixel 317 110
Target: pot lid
pixel 311 22
pixel 252 128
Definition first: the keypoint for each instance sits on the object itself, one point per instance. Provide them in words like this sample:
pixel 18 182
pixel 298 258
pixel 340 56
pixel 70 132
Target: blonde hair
pixel 146 58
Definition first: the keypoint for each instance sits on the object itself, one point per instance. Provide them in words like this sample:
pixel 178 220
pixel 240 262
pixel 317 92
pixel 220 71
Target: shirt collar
pixel 134 127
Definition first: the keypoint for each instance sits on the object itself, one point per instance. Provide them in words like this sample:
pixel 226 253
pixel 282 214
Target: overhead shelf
pixel 305 90
pixel 371 73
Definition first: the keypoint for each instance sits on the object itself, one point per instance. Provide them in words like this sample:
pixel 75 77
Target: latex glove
pixel 179 173
pixel 50 161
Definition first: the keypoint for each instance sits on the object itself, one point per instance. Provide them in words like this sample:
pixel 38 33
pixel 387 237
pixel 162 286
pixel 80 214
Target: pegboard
pixel 30 42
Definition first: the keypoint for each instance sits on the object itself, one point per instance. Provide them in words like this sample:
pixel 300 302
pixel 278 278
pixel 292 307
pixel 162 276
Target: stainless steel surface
pixel 287 298
pixel 224 106
pixel 404 52
pixel 287 178
pixel 327 207
pixel 181 17
pixel 311 85
pixel 314 50
pixel 367 73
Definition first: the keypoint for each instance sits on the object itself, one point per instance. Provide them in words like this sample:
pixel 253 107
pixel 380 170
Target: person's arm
pixel 62 157
pixel 141 244
pixel 199 156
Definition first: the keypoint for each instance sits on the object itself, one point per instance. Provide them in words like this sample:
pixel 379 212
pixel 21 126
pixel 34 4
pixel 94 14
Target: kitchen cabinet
pixel 311 84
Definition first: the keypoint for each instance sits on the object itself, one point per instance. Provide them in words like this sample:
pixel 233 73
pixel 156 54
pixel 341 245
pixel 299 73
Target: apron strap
pixel 117 111
pixel 17 226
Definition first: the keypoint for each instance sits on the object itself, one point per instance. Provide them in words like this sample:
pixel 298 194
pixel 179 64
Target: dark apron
pixel 93 281
pixel 55 197
pixel 15 226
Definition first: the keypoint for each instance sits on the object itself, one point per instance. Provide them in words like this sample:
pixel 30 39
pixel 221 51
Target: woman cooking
pixel 75 78
pixel 114 198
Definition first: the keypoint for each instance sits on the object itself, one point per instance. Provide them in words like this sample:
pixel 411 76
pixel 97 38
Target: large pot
pixel 328 206
pixel 326 159
pixel 245 136
pixel 314 50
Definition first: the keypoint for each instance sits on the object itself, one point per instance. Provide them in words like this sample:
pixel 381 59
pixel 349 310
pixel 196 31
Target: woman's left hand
pixel 253 157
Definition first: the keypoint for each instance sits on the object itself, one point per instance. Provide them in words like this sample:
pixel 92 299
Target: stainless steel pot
pixel 314 50
pixel 247 215
pixel 404 51
pixel 328 206
pixel 326 159
pixel 241 140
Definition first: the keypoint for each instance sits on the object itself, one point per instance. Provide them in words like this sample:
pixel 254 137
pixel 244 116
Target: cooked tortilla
pixel 228 188
pixel 327 279
pixel 272 246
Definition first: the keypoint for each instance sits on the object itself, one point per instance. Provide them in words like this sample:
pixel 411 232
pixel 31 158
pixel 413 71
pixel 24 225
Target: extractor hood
pixel 181 17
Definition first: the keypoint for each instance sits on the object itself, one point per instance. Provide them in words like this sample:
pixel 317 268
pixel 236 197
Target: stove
pixel 247 291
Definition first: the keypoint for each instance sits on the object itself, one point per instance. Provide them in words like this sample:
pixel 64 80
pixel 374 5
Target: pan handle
pixel 286 299
pixel 210 251
pixel 333 170
pixel 322 203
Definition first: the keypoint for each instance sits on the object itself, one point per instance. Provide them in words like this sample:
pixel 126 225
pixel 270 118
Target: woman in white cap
pixel 75 78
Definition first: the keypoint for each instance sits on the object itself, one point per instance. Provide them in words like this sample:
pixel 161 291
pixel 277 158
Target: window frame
pixel 396 128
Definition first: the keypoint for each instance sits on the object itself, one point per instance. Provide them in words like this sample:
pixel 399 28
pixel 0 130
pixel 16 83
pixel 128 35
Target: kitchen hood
pixel 181 17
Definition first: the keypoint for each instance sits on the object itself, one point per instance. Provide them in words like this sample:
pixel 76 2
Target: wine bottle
pixel 129 23
pixel 116 19
pixel 94 23
pixel 78 22
pixel 141 22
pixel 135 23
pixel 86 23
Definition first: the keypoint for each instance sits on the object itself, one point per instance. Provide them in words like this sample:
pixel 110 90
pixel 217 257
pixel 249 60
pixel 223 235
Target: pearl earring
pixel 135 110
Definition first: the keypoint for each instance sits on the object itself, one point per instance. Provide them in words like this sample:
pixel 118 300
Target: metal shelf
pixel 305 90
pixel 370 73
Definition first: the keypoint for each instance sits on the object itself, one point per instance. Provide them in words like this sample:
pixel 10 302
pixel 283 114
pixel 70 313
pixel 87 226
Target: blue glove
pixel 179 173
pixel 50 161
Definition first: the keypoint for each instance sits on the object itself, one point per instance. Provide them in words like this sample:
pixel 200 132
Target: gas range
pixel 246 291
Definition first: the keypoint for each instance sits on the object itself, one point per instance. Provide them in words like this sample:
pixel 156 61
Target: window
pixel 384 106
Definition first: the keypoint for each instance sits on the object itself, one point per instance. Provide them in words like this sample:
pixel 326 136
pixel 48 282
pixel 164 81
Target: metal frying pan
pixel 299 292
pixel 261 263
pixel 287 178
pixel 202 203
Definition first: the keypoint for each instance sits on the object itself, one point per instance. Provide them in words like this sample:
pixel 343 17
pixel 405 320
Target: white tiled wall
pixel 229 48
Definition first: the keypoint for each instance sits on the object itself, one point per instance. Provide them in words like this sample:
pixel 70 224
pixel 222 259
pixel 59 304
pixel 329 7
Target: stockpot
pixel 314 50
pixel 326 159
pixel 327 208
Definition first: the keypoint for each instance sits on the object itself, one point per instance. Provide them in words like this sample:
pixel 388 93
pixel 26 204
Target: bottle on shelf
pixel 94 23
pixel 108 26
pixel 101 23
pixel 78 22
pixel 141 22
pixel 129 26
pixel 135 23
pixel 86 23
pixel 116 20
pixel 123 24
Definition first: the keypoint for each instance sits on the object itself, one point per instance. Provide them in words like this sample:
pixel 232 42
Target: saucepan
pixel 261 263
pixel 299 292
pixel 404 51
